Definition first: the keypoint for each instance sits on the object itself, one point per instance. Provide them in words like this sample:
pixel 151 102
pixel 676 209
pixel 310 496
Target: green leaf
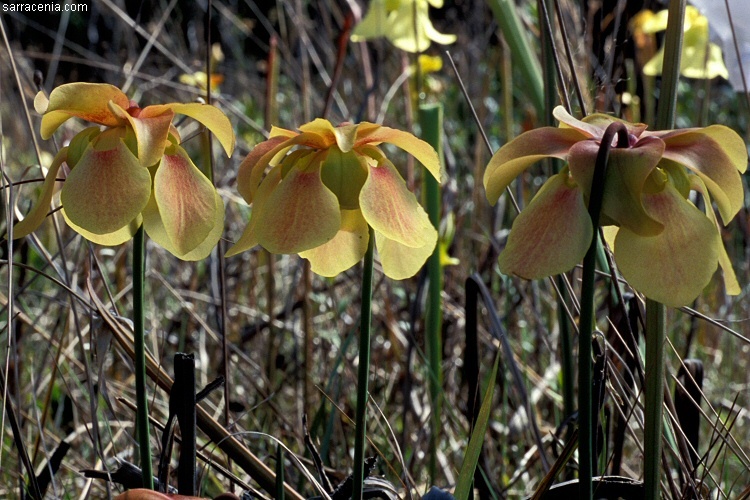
pixel 466 476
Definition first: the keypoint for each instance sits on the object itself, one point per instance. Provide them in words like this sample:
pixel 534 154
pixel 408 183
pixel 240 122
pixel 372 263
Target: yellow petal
pixel 674 266
pixel 114 238
pixel 37 215
pixel 373 134
pixel 249 237
pixel 88 101
pixel 210 116
pixel 399 261
pixel 345 250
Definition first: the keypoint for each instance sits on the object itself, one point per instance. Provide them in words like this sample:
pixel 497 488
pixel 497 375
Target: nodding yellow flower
pixel 664 245
pixel 395 20
pixel 131 171
pixel 700 58
pixel 325 186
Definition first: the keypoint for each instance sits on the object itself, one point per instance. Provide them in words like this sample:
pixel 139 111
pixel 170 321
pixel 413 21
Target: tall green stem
pixel 139 277
pixel 587 322
pixel 655 313
pixel 431 121
pixel 363 372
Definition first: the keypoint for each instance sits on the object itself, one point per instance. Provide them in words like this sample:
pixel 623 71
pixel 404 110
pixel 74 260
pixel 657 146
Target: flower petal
pixel 343 135
pixel 391 209
pixel 344 174
pixel 551 235
pixel 37 215
pixel 249 236
pixel 114 238
pixel 345 250
pixel 186 200
pixel 627 171
pixel 251 169
pixel 674 266
pixel 731 284
pixel 301 213
pixel 528 148
pixel 210 116
pixel 399 261
pixel 151 133
pixel 717 155
pixel 87 101
pixel 373 134
pixel 106 190
pixel 594 125
pixel 154 226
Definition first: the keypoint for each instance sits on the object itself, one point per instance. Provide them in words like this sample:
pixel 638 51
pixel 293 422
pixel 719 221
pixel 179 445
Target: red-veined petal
pixel 87 101
pixel 151 132
pixel 249 237
pixel 209 116
pixel 372 134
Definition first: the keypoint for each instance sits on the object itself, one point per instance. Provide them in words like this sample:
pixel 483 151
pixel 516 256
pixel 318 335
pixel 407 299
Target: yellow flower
pixel 395 20
pixel 664 246
pixel 319 198
pixel 132 171
pixel 694 62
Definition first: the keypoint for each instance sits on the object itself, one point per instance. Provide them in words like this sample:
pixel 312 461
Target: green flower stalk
pixel 664 245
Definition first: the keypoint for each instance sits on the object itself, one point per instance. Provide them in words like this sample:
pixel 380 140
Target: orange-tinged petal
pixel 627 171
pixel 210 116
pixel 251 169
pixel 369 133
pixel 249 237
pixel 151 133
pixel 551 235
pixel 114 238
pixel 88 101
pixel 37 215
pixel 345 250
pixel 399 261
pixel 731 284
pixel 520 153
pixel 154 227
pixel 717 155
pixel 674 266
pixel 106 190
pixel 391 209
pixel 301 213
pixel 186 201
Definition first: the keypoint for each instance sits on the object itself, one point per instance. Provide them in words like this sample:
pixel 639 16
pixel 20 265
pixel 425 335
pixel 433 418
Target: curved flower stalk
pixel 325 187
pixel 131 172
pixel 395 20
pixel 664 246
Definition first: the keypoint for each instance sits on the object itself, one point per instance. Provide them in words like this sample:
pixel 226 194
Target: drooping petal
pixel 674 266
pixel 551 235
pixel 87 101
pixel 154 227
pixel 301 213
pixel 528 148
pixel 373 134
pixel 249 236
pixel 717 155
pixel 399 261
pixel 391 209
pixel 344 250
pixel 344 174
pixel 114 238
pixel 627 171
pixel 595 124
pixel 186 200
pixel 151 133
pixel 251 170
pixel 106 190
pixel 210 116
pixel 37 215
pixel 731 284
